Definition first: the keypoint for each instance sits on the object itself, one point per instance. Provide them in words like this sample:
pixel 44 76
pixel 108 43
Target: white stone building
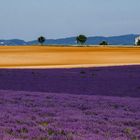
pixel 137 39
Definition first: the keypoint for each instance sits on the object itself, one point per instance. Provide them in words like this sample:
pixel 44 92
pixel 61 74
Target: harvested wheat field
pixel 52 56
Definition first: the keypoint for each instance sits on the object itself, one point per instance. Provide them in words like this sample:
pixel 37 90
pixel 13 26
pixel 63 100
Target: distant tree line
pixel 81 40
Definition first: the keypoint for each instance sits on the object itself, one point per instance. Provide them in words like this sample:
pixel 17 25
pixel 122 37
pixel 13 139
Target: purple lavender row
pixel 112 81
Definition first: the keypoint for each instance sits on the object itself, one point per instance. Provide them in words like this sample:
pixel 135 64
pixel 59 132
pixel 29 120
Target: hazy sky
pixel 28 19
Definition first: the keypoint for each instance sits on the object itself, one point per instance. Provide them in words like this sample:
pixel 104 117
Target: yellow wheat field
pixel 62 57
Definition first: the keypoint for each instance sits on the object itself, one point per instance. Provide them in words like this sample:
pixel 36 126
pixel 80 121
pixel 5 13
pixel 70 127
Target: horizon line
pixel 70 37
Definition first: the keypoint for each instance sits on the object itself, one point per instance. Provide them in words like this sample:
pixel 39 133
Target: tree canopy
pixel 104 43
pixel 41 40
pixel 81 39
pixel 138 43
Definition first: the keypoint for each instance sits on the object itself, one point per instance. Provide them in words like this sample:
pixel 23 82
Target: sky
pixel 28 19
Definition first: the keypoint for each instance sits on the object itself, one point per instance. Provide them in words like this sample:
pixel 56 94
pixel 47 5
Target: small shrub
pixel 103 43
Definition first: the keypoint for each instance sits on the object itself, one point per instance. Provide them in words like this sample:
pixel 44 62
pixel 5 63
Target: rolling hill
pixel 113 40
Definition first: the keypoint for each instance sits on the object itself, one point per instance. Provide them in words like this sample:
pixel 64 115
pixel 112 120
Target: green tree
pixel 104 43
pixel 81 39
pixel 41 40
pixel 138 43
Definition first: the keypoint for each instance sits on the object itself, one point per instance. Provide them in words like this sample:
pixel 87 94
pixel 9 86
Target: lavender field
pixel 70 104
pixel 112 81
